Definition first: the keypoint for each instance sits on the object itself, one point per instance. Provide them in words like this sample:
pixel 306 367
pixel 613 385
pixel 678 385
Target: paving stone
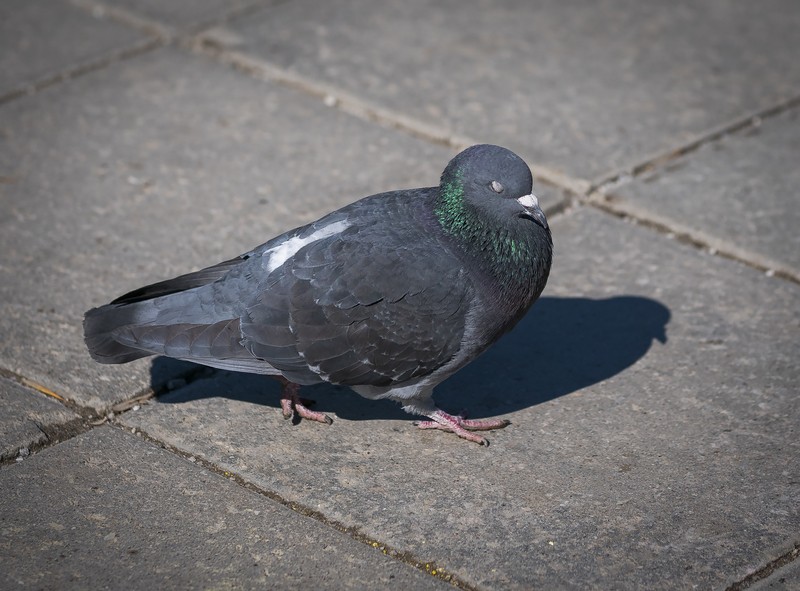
pixel 42 38
pixel 786 578
pixel 629 463
pixel 183 13
pixel 107 510
pixel 584 88
pixel 28 419
pixel 165 163
pixel 741 190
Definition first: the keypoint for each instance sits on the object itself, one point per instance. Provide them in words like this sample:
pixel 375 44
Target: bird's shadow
pixel 562 345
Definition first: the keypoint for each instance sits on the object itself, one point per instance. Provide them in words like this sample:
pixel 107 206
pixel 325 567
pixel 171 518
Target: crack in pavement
pixel 767 569
pixel 428 567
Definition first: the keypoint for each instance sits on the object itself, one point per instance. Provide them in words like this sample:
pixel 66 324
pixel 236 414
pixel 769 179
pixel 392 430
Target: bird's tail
pixel 134 325
pixel 101 325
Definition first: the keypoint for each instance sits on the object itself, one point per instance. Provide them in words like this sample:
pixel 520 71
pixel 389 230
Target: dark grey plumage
pixel 389 295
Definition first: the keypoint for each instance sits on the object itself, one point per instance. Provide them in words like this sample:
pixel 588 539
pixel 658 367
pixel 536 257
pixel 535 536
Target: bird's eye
pixel 497 187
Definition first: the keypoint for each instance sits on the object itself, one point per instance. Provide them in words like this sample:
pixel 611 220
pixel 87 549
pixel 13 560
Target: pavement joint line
pixel 601 195
pixel 167 33
pixel 430 568
pixel 125 17
pixel 89 418
pixel 661 159
pixel 158 35
pixel 769 568
pixel 85 67
pixel 53 434
pixel 611 204
pixel 206 43
pixel 85 413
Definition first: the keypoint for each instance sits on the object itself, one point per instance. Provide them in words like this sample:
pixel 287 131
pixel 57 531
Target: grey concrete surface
pixel 42 38
pixel 652 390
pixel 141 188
pixel 586 88
pixel 106 510
pixel 28 419
pixel 180 13
pixel 742 190
pixel 783 579
pixel 604 478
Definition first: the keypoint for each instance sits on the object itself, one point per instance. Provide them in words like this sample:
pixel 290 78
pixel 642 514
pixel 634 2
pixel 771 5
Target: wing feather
pixel 379 303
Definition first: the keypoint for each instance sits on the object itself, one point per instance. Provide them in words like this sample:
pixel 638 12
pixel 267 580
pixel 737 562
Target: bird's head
pixel 491 183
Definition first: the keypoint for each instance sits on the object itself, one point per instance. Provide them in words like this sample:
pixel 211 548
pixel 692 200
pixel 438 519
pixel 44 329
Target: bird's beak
pixel 532 210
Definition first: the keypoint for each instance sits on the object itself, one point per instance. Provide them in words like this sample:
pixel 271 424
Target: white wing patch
pixel 280 254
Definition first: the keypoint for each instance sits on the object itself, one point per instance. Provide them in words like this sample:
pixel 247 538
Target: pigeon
pixel 389 295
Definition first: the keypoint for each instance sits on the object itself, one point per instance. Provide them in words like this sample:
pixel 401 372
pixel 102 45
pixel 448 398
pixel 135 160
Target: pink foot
pixel 462 426
pixel 291 403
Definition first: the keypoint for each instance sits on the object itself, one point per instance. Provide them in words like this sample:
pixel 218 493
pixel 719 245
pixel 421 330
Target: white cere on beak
pixel 529 200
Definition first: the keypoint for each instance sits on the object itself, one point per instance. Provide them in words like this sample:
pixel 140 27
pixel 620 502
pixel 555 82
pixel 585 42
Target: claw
pixel 291 403
pixel 462 426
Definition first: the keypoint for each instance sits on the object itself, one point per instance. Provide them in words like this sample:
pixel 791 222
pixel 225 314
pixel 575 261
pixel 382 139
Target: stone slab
pixel 107 510
pixel 628 464
pixel 42 38
pixel 741 190
pixel 583 88
pixel 786 578
pixel 178 13
pixel 28 418
pixel 166 163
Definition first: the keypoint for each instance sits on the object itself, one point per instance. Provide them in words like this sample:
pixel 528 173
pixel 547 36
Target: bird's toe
pixel 292 404
pixel 461 426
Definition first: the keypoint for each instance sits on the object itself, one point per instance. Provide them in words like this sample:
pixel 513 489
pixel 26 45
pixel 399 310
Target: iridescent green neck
pixel 482 235
pixel 451 209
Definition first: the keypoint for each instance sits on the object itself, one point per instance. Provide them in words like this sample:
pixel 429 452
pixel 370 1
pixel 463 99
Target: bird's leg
pixel 292 403
pixel 461 426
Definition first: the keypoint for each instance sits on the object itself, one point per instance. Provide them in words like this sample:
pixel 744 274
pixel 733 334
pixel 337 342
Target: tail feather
pixel 117 334
pixel 104 328
pixel 99 326
pixel 181 283
pixel 186 341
